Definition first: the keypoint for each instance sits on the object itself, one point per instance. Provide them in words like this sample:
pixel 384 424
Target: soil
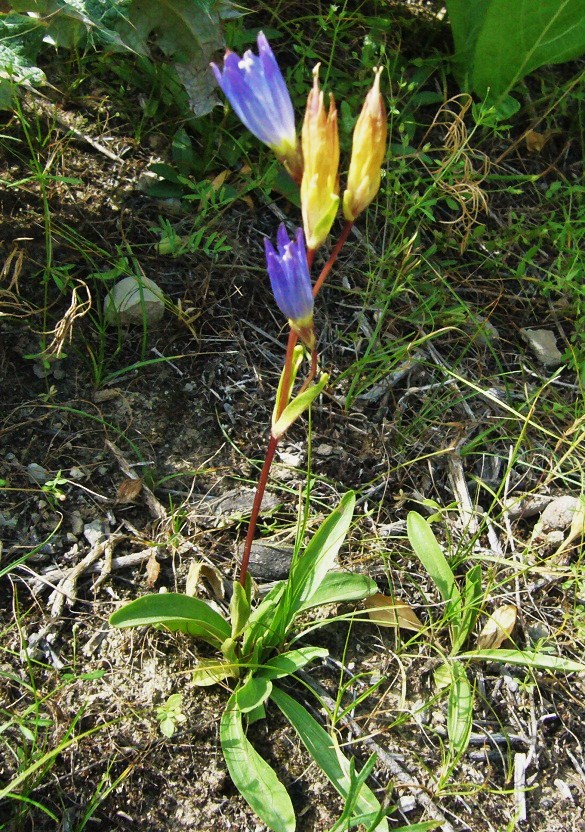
pixel 193 427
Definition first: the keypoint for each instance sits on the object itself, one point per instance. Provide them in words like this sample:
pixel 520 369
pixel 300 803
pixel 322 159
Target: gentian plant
pixel 259 644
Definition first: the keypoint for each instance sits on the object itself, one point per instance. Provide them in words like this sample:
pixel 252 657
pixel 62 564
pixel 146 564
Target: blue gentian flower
pixel 255 88
pixel 288 270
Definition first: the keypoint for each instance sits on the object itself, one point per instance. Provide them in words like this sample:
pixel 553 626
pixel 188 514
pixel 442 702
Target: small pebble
pixel 94 532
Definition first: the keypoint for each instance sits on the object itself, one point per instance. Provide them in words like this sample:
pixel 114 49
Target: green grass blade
pixel 326 754
pixel 253 777
pixel 175 611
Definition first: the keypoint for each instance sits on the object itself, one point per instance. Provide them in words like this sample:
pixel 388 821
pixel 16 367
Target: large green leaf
pixel 327 754
pixel 337 587
pixel 189 33
pixel 498 42
pixel 253 777
pixel 73 23
pixel 309 569
pixel 253 693
pixel 20 40
pixel 176 612
pixel 288 663
pixel 460 710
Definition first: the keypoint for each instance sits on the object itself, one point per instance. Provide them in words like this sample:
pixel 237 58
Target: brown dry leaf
pixel 498 628
pixel 249 201
pixel 203 571
pixel 388 612
pixel 219 180
pixel 152 569
pixel 536 141
pixel 129 489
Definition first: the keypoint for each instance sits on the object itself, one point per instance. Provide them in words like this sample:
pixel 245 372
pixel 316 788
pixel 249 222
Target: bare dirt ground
pixel 193 428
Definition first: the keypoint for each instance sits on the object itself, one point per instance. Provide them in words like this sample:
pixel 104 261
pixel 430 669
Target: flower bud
pixel 367 155
pixel 288 270
pixel 320 183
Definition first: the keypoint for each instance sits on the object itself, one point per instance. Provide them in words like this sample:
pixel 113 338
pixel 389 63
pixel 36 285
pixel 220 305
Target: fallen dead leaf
pixel 219 180
pixel 388 612
pixel 152 569
pixel 129 489
pixel 203 571
pixel 106 395
pixel 498 628
pixel 536 141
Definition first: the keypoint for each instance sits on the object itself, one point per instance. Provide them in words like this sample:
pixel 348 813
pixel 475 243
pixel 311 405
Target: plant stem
pixel 273 442
pixel 260 489
pixel 332 257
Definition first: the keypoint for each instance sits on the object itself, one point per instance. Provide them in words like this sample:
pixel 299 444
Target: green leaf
pixel 176 612
pixel 309 569
pixel 526 658
pixel 239 608
pixel 498 42
pixel 288 663
pixel 253 777
pixel 298 406
pixel 327 755
pixel 189 33
pixel 341 586
pixel 431 556
pixel 261 620
pixel 78 22
pixel 211 671
pixel 20 41
pixel 460 710
pixel 252 694
pixel 471 602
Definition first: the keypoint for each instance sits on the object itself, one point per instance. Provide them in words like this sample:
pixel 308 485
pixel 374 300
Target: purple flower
pixel 255 88
pixel 288 270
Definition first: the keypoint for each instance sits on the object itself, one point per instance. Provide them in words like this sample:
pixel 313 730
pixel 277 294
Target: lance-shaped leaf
pixel 283 395
pixel 253 777
pixel 430 554
pixel 298 406
pixel 328 756
pixel 176 612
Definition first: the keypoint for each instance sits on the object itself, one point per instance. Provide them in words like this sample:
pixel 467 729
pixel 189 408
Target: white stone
pixel 543 344
pixel 134 300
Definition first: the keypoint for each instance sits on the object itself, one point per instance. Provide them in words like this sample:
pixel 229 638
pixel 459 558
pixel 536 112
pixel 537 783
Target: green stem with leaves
pixel 273 441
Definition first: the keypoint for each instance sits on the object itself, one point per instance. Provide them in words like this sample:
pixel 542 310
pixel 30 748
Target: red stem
pixel 332 257
pixel 260 489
